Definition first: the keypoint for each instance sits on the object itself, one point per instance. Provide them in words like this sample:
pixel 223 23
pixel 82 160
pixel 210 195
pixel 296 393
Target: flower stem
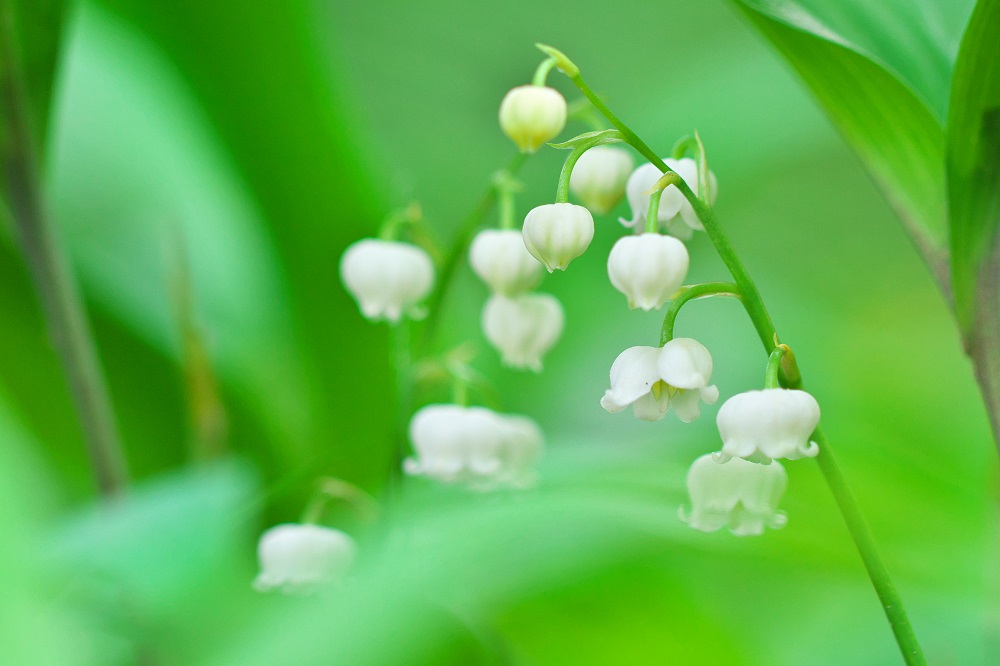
pixel 542 73
pixel 755 308
pixel 773 366
pixel 64 311
pixel 689 294
pixel 453 256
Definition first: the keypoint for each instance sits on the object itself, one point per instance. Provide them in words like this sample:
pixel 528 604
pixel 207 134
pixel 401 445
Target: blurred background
pixel 207 163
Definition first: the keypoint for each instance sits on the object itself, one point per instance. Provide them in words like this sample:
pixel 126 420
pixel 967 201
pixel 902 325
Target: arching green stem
pixel 542 72
pixel 681 146
pixel 689 294
pixel 755 308
pixel 338 490
pixel 562 189
pixel 653 212
pixel 773 366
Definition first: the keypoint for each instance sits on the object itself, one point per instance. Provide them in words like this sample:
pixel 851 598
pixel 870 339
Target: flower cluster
pixel 473 446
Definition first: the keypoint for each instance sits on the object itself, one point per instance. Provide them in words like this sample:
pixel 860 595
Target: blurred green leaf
pixel 974 169
pixel 38 28
pixel 893 127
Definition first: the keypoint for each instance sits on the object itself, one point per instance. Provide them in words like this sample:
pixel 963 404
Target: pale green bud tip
pixel 565 65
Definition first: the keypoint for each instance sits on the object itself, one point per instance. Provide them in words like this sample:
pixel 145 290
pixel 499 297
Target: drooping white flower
pixel 473 446
pixel 599 177
pixel 676 215
pixel 772 423
pixel 386 278
pixel 523 328
pixel 531 115
pixel 737 494
pixel 558 233
pixel 297 558
pixel 499 258
pixel 685 365
pixel 651 379
pixel 647 268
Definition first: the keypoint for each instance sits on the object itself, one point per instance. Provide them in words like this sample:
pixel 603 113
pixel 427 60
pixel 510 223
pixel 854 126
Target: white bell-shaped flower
pixel 767 424
pixel 499 258
pixel 531 115
pixel 386 278
pixel 555 234
pixel 737 494
pixel 298 558
pixel 599 177
pixel 523 328
pixel 685 366
pixel 676 215
pixel 647 268
pixel 635 381
pixel 652 379
pixel 473 445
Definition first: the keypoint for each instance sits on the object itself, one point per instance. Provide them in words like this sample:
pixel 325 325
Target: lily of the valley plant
pixel 735 484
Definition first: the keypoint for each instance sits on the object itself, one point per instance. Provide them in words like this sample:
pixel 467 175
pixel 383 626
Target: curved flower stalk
pixel 652 379
pixel 474 446
pixel 737 494
pixel 387 278
pixel 299 558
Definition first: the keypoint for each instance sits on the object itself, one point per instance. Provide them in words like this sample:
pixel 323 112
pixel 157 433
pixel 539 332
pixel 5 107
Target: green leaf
pixel 37 26
pixel 974 167
pixel 892 126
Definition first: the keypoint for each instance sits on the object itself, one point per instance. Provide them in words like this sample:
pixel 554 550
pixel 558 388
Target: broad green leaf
pixel 892 128
pixel 974 171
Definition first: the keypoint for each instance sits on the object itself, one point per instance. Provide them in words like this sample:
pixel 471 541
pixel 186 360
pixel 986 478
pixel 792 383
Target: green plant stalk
pixel 63 308
pixel 453 256
pixel 689 294
pixel 755 308
pixel 771 374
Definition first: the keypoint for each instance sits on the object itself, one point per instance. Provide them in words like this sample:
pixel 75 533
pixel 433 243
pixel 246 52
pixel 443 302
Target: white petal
pixel 648 268
pixel 298 558
pixel 523 328
pixel 775 423
pixel 386 278
pixel 685 363
pixel 499 258
pixel 531 115
pixel 599 177
pixel 632 376
pixel 555 234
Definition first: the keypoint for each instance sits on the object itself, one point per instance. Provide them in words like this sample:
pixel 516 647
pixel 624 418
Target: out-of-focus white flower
pixel 499 258
pixel 474 446
pixel 386 278
pixel 555 234
pixel 651 379
pixel 647 268
pixel 599 178
pixel 772 423
pixel 298 558
pixel 737 494
pixel 676 215
pixel 531 115
pixel 523 328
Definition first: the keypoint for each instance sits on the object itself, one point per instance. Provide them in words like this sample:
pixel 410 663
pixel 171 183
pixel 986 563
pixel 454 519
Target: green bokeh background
pixel 262 138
